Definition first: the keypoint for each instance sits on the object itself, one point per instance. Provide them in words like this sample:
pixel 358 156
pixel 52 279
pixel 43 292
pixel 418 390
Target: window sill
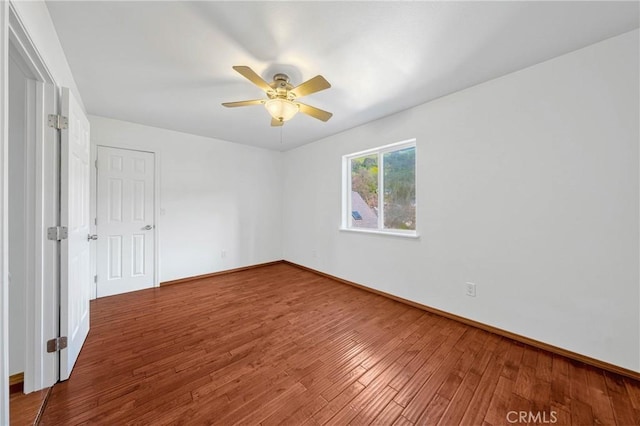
pixel 412 235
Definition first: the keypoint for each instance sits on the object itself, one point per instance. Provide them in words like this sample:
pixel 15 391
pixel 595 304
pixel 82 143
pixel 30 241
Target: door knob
pixel 148 228
pixel 92 237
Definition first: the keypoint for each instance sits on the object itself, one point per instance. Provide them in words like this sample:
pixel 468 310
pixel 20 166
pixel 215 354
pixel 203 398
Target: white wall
pixel 214 196
pixel 527 186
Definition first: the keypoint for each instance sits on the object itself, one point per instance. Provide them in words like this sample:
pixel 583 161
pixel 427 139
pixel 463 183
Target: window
pixel 380 190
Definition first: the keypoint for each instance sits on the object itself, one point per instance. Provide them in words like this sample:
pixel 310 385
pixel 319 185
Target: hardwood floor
pixel 24 409
pixel 280 345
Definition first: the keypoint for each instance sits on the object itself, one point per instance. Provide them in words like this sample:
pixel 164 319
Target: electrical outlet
pixel 470 289
pixel 314 254
pixel 223 254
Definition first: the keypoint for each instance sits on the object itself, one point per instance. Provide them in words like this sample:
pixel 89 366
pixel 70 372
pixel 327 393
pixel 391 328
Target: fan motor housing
pixel 280 77
pixel 281 85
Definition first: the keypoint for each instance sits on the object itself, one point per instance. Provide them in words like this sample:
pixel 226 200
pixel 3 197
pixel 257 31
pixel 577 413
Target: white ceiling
pixel 168 64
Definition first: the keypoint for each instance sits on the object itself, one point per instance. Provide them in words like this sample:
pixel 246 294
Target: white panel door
pixel 75 274
pixel 125 254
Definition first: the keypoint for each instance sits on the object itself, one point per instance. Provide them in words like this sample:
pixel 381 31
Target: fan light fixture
pixel 282 103
pixel 281 109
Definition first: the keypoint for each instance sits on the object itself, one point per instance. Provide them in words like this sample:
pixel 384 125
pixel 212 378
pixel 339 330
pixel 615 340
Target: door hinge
pixel 57 233
pixel 54 345
pixel 95 279
pixel 58 121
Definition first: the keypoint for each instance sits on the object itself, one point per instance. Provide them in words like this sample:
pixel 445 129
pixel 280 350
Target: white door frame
pixel 156 205
pixel 4 238
pixel 41 368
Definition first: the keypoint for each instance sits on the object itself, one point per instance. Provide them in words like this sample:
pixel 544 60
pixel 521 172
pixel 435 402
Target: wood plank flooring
pixel 24 408
pixel 280 345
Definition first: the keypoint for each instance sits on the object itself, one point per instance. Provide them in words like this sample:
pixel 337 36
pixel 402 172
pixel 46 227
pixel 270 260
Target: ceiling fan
pixel 281 96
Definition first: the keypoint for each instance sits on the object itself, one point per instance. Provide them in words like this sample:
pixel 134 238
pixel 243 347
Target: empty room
pixel 317 212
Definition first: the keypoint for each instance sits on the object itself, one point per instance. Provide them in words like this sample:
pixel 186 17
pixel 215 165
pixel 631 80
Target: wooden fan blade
pixel 243 103
pixel 251 75
pixel 314 112
pixel 276 123
pixel 313 85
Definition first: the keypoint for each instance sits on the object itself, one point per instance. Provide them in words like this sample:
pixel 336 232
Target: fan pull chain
pixel 281 129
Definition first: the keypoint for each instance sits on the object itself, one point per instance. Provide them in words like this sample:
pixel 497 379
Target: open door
pixel 75 274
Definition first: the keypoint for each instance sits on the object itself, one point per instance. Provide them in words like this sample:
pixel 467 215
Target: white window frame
pixel 346 190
